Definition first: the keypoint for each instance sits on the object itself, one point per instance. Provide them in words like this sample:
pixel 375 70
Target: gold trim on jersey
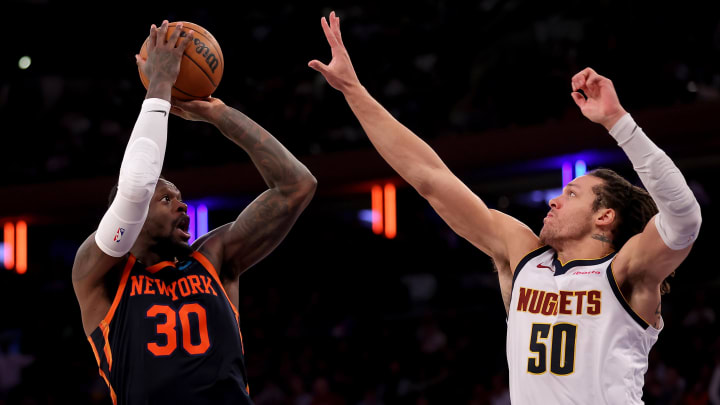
pixel 575 260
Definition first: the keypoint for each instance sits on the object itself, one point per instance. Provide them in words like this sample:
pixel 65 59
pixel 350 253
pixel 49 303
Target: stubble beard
pixel 551 236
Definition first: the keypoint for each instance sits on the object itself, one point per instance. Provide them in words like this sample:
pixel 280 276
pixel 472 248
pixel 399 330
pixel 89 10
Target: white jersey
pixel 572 338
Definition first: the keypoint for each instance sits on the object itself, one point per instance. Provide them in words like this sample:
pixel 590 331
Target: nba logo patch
pixel 119 234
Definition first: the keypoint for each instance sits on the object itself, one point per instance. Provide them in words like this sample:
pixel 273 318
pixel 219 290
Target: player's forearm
pixel 278 167
pixel 139 172
pixel 410 156
pixel 679 219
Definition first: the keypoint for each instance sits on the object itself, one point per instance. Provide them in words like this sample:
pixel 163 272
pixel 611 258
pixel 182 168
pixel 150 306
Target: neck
pixel 150 253
pixel 593 246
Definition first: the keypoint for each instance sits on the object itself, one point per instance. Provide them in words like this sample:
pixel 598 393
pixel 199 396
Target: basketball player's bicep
pixel 645 256
pixel 259 229
pixel 89 270
pixel 469 217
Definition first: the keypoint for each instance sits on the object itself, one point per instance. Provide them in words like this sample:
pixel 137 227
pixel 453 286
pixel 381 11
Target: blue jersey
pixel 171 336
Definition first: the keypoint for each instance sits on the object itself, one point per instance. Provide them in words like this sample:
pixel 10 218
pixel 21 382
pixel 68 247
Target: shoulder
pixel 211 245
pixel 520 240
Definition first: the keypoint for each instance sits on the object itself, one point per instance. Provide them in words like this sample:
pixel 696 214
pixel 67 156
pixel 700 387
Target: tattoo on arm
pixel 657 316
pixel 274 162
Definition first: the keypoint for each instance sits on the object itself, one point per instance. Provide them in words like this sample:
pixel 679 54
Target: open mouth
pixel 183 226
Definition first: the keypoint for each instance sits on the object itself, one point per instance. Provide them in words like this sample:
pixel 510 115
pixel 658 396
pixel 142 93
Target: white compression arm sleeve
pixel 678 220
pixel 139 173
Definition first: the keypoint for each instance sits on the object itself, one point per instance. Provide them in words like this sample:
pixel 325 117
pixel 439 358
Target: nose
pixel 182 207
pixel 554 202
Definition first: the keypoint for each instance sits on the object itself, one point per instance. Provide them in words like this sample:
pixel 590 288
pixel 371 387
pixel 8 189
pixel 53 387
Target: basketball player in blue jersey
pixel 160 315
pixel 583 297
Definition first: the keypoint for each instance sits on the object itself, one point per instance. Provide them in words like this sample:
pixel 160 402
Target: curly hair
pixel 633 208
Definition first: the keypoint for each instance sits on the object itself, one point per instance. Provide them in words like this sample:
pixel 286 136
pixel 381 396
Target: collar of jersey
pixel 562 269
pixel 159 266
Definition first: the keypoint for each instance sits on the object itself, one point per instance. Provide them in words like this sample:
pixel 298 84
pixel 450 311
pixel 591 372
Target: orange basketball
pixel 202 64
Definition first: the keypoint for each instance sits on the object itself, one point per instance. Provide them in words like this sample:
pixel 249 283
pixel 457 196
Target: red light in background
pixel 21 246
pixel 377 209
pixel 9 240
pixel 390 212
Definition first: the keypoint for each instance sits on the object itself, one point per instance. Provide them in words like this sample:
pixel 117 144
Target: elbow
pixel 309 185
pixel 679 231
pixel 304 189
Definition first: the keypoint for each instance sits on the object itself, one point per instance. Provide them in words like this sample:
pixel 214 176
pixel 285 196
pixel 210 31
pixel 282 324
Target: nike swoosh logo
pixel 161 111
pixel 540 266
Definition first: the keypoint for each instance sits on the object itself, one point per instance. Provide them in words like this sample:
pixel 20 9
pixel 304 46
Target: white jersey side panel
pixel 572 338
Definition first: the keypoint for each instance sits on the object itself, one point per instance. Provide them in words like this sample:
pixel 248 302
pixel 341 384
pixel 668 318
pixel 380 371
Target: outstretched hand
pixel 602 105
pixel 340 73
pixel 207 110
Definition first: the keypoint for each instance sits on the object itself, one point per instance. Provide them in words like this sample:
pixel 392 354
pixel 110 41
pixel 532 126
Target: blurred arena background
pixel 340 314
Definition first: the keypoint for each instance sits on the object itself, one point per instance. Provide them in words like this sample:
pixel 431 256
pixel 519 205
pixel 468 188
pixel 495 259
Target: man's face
pixel 167 221
pixel 571 216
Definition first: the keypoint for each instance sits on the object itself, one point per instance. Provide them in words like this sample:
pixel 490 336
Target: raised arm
pixel 498 235
pixel 139 172
pixel 264 223
pixel 652 255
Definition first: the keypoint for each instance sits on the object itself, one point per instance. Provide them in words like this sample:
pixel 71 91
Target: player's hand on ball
pixel 602 105
pixel 164 56
pixel 207 110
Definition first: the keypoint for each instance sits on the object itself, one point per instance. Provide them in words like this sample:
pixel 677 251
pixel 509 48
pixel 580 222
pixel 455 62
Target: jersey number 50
pixel 562 348
pixel 167 328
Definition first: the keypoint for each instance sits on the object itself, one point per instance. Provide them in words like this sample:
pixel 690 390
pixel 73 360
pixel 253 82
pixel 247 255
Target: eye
pixel 572 194
pixel 166 198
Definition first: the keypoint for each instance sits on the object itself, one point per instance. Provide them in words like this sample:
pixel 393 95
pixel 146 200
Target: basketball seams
pixel 186 93
pixel 207 36
pixel 201 69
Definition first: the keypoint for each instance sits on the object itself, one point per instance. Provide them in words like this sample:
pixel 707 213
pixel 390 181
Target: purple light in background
pixel 2 252
pixel 202 220
pixel 566 173
pixel 580 168
pixel 366 216
pixel 536 196
pixel 191 228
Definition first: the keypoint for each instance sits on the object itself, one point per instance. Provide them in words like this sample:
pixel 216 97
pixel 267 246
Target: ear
pixel 604 217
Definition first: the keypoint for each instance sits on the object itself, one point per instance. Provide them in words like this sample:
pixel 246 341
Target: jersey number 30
pixel 562 348
pixel 167 328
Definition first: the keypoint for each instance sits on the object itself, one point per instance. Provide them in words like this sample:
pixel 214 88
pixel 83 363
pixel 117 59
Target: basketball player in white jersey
pixel 583 298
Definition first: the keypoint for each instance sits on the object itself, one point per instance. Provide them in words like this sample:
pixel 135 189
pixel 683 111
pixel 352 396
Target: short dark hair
pixel 114 190
pixel 634 207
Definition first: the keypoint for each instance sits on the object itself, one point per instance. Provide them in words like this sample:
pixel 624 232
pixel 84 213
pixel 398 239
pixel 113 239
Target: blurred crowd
pixel 337 315
pixel 440 67
pixel 356 320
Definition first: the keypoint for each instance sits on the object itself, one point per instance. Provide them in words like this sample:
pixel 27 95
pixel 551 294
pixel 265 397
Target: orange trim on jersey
pixel 95 352
pixel 118 295
pixel 159 266
pixel 108 354
pixel 211 269
pixel 102 374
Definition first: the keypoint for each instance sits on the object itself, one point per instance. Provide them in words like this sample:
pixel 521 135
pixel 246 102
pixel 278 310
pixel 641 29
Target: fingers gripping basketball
pixel 202 64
